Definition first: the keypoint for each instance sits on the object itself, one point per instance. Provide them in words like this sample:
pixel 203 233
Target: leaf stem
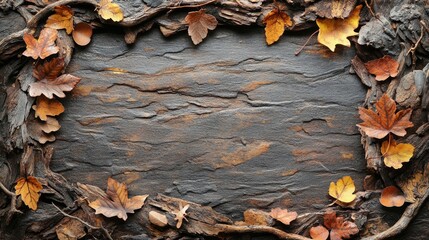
pixel 305 44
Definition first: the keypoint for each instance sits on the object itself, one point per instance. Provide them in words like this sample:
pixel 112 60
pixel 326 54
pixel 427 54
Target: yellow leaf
pixel 47 107
pixel 62 19
pixel 29 189
pixel 275 21
pixel 336 31
pixel 343 190
pixel 108 10
pixel 396 154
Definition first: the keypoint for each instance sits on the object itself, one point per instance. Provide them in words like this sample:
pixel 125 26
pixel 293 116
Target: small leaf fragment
pixel 340 229
pixel 82 34
pixel 199 23
pixel 343 189
pixel 396 154
pixel 42 47
pixel 392 197
pixel 108 10
pixel 275 22
pixel 158 219
pixel 283 215
pixel 29 189
pixel 62 19
pixel 383 68
pixel 47 107
pixel 319 233
pixel 180 215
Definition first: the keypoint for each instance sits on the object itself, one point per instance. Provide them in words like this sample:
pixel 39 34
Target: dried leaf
pixel 319 233
pixel 108 10
pixel 383 67
pixel 283 215
pixel 392 197
pixel 343 190
pixel 340 229
pixel 336 31
pixel 51 125
pixel 62 19
pixel 385 121
pixel 44 46
pixel 47 107
pixel 82 34
pixel 158 219
pixel 199 23
pixel 37 129
pixel 396 154
pixel 70 229
pixel 181 214
pixel 275 22
pixel 29 189
pixel 117 202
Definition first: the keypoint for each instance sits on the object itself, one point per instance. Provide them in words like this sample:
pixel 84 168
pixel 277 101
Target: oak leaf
pixel 336 31
pixel 385 121
pixel 283 215
pixel 117 203
pixel 42 131
pixel 340 229
pixel 392 197
pixel 29 189
pixel 108 10
pixel 62 19
pixel 199 23
pixel 42 47
pixel 47 107
pixel 181 214
pixel 82 34
pixel 396 154
pixel 275 23
pixel 319 233
pixel 383 68
pixel 343 190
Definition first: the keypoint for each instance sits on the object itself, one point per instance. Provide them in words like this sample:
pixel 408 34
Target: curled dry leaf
pixel 343 190
pixel 275 23
pixel 340 229
pixel 158 219
pixel 396 154
pixel 392 197
pixel 42 47
pixel 319 233
pixel 62 19
pixel 117 203
pixel 29 189
pixel 383 68
pixel 199 23
pixel 47 107
pixel 82 34
pixel 283 215
pixel 384 121
pixel 181 214
pixel 108 10
pixel 336 31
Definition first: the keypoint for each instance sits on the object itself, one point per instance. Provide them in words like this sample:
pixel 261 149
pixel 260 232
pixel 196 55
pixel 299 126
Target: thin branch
pixel 224 228
pixel 297 52
pixel 13 200
pixel 193 6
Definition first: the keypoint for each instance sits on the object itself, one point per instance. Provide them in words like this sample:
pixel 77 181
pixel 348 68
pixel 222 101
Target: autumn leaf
pixel 383 67
pixel 319 233
pixel 385 121
pixel 108 10
pixel 199 23
pixel 336 31
pixel 47 107
pixel 29 189
pixel 117 202
pixel 42 131
pixel 340 229
pixel 396 154
pixel 42 47
pixel 392 197
pixel 62 19
pixel 82 34
pixel 50 125
pixel 275 23
pixel 283 215
pixel 181 214
pixel 343 190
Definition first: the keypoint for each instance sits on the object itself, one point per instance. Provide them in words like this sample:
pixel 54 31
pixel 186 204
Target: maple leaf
pixel 29 189
pixel 396 154
pixel 319 233
pixel 283 215
pixel 42 47
pixel 340 229
pixel 385 121
pixel 181 214
pixel 336 31
pixel 383 67
pixel 275 21
pixel 108 10
pixel 47 107
pixel 117 203
pixel 343 190
pixel 392 197
pixel 49 83
pixel 82 34
pixel 62 19
pixel 199 23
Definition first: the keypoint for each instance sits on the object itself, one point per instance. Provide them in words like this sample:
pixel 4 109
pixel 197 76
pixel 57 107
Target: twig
pixel 305 44
pixel 104 231
pixel 224 228
pixel 422 32
pixel 370 9
pixel 193 6
pixel 13 197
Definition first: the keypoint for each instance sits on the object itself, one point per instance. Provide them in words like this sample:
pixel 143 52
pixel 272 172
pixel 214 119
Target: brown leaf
pixel 117 203
pixel 43 47
pixel 199 22
pixel 383 67
pixel 319 233
pixel 82 34
pixel 283 215
pixel 181 214
pixel 392 197
pixel 50 125
pixel 29 189
pixel 275 23
pixel 62 19
pixel 37 129
pixel 158 219
pixel 340 229
pixel 385 121
pixel 47 107
pixel 108 10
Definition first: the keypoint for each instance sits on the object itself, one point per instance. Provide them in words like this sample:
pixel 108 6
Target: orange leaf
pixel 395 154
pixel 181 214
pixel 44 46
pixel 283 215
pixel 82 34
pixel 319 233
pixel 275 22
pixel 392 197
pixel 383 67
pixel 343 190
pixel 199 23
pixel 117 203
pixel 62 19
pixel 385 121
pixel 47 107
pixel 108 10
pixel 336 31
pixel 340 229
pixel 29 189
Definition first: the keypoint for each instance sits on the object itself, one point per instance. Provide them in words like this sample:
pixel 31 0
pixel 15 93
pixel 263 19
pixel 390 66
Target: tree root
pixel 13 210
